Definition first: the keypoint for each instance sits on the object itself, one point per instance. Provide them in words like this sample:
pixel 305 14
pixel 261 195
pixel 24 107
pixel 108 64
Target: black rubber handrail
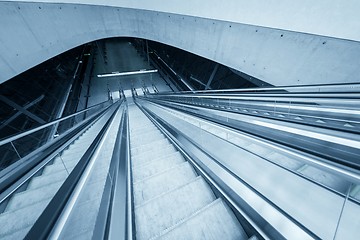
pixel 45 223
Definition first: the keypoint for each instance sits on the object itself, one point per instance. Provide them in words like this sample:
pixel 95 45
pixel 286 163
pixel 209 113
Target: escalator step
pixel 157 166
pixel 149 146
pixel 29 197
pixel 155 153
pixel 20 219
pixel 164 211
pixel 144 139
pixel 140 164
pixel 214 221
pixel 162 182
pixel 40 181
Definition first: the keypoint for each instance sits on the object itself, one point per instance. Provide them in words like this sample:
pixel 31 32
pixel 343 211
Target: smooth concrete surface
pixel 328 18
pixel 280 55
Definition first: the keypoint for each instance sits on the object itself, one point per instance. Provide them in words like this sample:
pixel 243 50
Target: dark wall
pixel 43 87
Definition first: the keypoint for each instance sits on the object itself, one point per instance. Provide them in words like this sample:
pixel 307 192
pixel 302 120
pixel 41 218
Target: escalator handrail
pixel 288 97
pixel 315 87
pixel 48 218
pixel 26 133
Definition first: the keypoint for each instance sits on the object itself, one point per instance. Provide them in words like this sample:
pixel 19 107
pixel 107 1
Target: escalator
pixel 171 201
pixel 140 170
pixel 22 208
pixel 324 212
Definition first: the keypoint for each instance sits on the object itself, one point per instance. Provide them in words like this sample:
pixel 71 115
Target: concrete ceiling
pixel 282 44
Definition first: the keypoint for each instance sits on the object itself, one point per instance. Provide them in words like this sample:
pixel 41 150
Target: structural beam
pixel 21 109
pixel 212 76
pixel 12 118
pixel 197 80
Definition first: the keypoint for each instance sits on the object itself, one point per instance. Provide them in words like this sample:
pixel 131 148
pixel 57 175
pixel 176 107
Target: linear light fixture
pixel 116 74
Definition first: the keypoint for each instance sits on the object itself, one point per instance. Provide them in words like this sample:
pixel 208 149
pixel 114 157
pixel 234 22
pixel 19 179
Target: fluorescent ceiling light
pixel 116 74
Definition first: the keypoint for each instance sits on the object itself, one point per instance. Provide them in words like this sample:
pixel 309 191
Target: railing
pixel 17 147
pixel 16 175
pixel 324 88
pixel 164 68
pixel 340 111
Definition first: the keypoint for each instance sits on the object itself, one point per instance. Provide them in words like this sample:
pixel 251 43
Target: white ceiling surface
pixel 335 18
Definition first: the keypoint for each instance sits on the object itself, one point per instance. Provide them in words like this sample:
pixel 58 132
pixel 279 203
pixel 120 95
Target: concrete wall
pixel 335 18
pixel 34 32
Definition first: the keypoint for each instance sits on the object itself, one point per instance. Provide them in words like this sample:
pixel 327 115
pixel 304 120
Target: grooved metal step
pixel 32 196
pixel 145 138
pixel 140 164
pixel 162 182
pixel 157 166
pixel 20 219
pixel 178 204
pixel 213 221
pixel 147 156
pixel 149 146
pixel 38 182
